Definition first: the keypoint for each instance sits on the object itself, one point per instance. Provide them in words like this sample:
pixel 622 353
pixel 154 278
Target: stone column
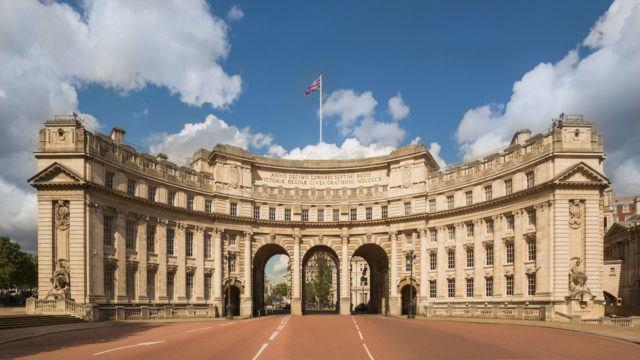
pixel 499 281
pixel 161 275
pixel 198 250
pixel 423 298
pixel 217 270
pixel 296 301
pixel 395 303
pixel 121 254
pixel 96 254
pixel 246 301
pixel 181 275
pixel 141 247
pixel 519 249
pixel 345 301
pixel 461 260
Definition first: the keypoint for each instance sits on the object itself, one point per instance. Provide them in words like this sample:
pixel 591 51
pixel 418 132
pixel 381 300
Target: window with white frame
pixel 531 284
pixel 469 257
pixel 434 235
pixel 171 199
pixel 451 259
pixel 151 238
pixel 530 179
pixel 305 215
pixel 207 206
pixel 470 230
pixel 151 193
pixel 188 239
pixel 488 192
pixel 336 214
pixel 452 232
pixel 508 187
pixel 432 205
pixel 320 215
pixel 108 180
pixel 531 216
pixel 190 202
pixel 232 239
pixel 272 214
pixel 131 187
pixel 256 212
pixel 489 226
pixel 287 214
pixel 488 282
pixel 407 208
pixel 130 235
pixel 233 209
pixel 433 261
pixel 510 222
pixel 451 288
pixel 369 213
pixel 449 202
pixel 470 287
pixel 107 226
pixel 433 291
pixel 232 263
pixel 468 197
pixel 353 214
pixel 509 253
pixel 489 255
pixel 207 246
pixel 171 233
pixel 509 285
pixel 531 249
pixel 409 262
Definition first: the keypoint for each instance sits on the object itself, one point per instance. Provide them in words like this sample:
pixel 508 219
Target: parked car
pixel 361 308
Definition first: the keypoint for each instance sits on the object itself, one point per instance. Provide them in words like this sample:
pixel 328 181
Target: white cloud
pixel 602 85
pixel 18 215
pixel 385 134
pixel 277 150
pixel 415 141
pixel 397 108
pixel 434 150
pixel 279 271
pixel 350 107
pixel 235 13
pixel 350 149
pixel 139 114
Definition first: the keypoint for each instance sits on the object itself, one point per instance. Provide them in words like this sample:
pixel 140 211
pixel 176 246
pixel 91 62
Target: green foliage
pixel 282 289
pixel 319 288
pixel 17 267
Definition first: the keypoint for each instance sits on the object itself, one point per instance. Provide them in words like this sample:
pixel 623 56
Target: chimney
pixel 117 135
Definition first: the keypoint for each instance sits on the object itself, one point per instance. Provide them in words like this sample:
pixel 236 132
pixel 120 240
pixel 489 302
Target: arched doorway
pixel 376 276
pixel 260 260
pixel 409 294
pixel 234 291
pixel 320 266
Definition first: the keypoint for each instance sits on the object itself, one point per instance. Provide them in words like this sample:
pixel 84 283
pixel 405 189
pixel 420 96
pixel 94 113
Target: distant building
pixel 624 207
pixel 359 281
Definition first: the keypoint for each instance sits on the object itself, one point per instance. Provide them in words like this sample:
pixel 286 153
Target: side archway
pixel 262 255
pixel 409 291
pixel 378 262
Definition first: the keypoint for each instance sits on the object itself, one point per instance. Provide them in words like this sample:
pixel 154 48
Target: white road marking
pixel 367 349
pixel 227 324
pixel 273 336
pixel 359 333
pixel 362 338
pixel 280 327
pixel 194 330
pixel 129 346
pixel 264 346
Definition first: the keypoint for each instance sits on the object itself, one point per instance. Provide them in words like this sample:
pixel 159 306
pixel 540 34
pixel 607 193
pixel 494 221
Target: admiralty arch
pixel 520 227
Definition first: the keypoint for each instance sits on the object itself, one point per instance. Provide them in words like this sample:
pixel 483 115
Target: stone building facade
pixel 521 226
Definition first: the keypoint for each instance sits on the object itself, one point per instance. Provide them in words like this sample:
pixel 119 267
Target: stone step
pixel 12 322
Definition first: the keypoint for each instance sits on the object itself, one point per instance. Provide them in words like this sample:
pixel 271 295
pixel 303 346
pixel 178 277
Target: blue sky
pixel 180 75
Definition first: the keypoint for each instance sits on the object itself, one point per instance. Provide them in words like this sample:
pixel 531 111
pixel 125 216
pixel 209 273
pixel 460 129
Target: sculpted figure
pixel 62 215
pixel 575 214
pixel 60 282
pixel 577 278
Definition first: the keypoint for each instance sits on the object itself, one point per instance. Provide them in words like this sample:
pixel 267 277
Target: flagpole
pixel 321 117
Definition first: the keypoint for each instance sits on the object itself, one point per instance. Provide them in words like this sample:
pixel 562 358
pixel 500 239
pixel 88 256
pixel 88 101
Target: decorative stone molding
pixel 575 214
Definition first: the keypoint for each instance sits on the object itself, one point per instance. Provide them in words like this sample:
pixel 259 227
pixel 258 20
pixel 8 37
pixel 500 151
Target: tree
pixel 17 267
pixel 321 284
pixel 282 289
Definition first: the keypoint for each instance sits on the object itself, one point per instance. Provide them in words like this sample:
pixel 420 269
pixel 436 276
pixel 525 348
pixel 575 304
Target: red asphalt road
pixel 320 337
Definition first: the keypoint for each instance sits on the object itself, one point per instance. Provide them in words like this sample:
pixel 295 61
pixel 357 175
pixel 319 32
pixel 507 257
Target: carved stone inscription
pixel 369 178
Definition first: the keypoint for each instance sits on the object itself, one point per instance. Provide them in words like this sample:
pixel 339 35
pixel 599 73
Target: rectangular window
pixel 385 212
pixel 131 187
pixel 108 180
pixel 305 215
pixel 450 202
pixel 509 287
pixel 452 232
pixel 207 246
pixel 188 239
pixel 489 226
pixel 432 205
pixel 189 281
pixel 531 284
pixel 232 264
pixel 469 197
pixel 469 230
pixel 489 253
pixel 151 284
pixel 510 253
pixel 130 235
pixel 172 198
pixel 170 283
pixel 432 289
pixel 272 214
pixel 530 179
pixel 353 214
pixel 451 288
pixel 531 250
pixel 531 216
pixel 409 262
pixel 131 284
pixel 469 287
pixel 434 235
pixel 151 238
pixel 320 215
pixel 369 213
pixel 510 222
pixel 451 259
pixel 207 286
pixel 207 206
pixel 336 215
pixel 171 233
pixel 469 257
pixel 508 187
pixel 433 261
pixel 232 239
pixel 109 282
pixel 233 209
pixel 256 212
pixel 287 214
pixel 108 230
pixel 488 192
pixel 488 282
pixel 407 209
pixel 151 193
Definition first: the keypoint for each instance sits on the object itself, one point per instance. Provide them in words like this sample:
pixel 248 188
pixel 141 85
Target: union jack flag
pixel 314 86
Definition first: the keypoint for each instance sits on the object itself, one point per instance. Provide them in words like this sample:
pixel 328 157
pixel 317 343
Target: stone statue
pixel 575 214
pixel 60 282
pixel 578 280
pixel 62 215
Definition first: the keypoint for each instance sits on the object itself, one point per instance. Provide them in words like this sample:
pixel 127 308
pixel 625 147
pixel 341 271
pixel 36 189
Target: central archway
pixel 308 305
pixel 377 278
pixel 260 259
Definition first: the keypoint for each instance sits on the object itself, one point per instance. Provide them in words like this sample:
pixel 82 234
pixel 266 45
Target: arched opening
pixel 234 292
pixel 266 290
pixel 408 298
pixel 369 280
pixel 321 282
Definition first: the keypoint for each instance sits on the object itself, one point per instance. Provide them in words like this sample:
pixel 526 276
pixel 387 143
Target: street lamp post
pixel 229 307
pixel 410 313
pixel 362 279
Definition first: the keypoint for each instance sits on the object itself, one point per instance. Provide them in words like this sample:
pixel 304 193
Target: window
pixel 256 212
pixel 172 198
pixel 531 249
pixel 364 281
pixel 450 202
pixel 189 289
pixel 531 215
pixel 452 232
pixel 432 289
pixel 189 202
pixel 433 261
pixel 432 205
pixel 305 215
pixel 130 235
pixel 469 257
pixel 509 287
pixel 108 230
pixel 407 209
pixel 625 208
pixel 451 288
pixel 469 230
pixel 336 215
pixel 409 262
pixel 233 209
pixel 131 187
pixel 488 192
pixel 488 286
pixel 434 235
pixel 531 284
pixel 151 193
pixel 489 226
pixel 188 239
pixel 508 187
pixel 272 214
pixel 469 197
pixel 108 180
pixel 151 238
pixel 470 287
pixel 232 239
pixel 207 286
pixel 207 206
pixel 385 212
pixel 287 214
pixel 171 233
pixel 369 213
pixel 408 238
pixel 320 215
pixel 151 284
pixel 170 283
pixel 207 246
pixel 232 263
pixel 510 222
pixel 353 214
pixel 131 284
pixel 530 179
pixel 510 253
pixel 489 253
pixel 109 282
pixel 451 259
